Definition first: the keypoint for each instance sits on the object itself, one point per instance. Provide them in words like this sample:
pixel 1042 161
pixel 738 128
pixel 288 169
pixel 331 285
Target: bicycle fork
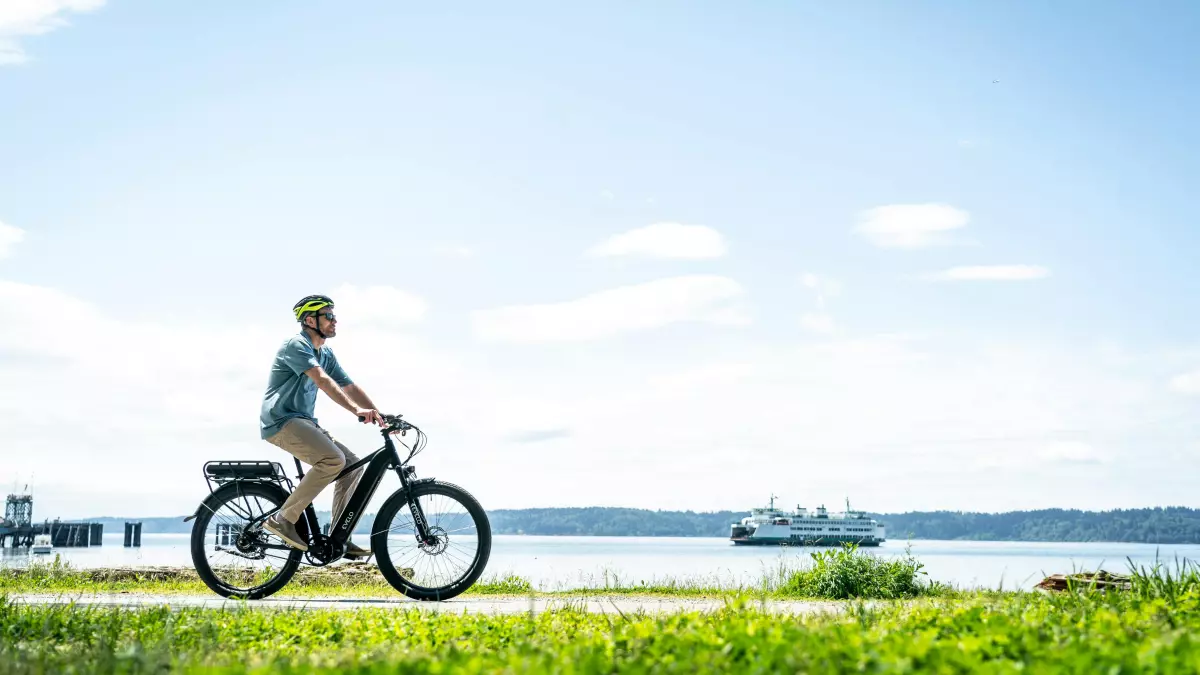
pixel 424 536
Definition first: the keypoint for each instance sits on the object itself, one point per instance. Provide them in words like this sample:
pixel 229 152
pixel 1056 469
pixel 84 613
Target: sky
pixel 679 256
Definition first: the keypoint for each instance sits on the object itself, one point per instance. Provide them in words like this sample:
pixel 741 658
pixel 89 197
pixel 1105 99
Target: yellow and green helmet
pixel 310 303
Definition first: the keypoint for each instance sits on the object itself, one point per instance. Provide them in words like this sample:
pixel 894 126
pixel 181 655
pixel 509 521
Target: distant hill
pixel 1171 525
pixel 613 522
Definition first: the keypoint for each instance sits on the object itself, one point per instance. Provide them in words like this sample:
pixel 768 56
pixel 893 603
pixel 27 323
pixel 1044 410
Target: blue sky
pixel 178 176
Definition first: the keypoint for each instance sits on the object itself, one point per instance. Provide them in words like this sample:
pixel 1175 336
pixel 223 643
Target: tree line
pixel 1172 525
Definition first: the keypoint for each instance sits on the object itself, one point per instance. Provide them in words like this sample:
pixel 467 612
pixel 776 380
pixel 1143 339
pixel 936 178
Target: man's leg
pixel 309 444
pixel 344 487
pixel 342 490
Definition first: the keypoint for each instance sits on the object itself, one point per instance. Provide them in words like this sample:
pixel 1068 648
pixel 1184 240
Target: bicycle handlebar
pixel 391 423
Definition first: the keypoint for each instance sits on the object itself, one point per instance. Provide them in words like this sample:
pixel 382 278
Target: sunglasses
pixel 327 315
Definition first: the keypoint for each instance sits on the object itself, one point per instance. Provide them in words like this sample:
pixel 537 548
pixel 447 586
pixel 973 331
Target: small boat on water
pixel 41 544
pixel 772 526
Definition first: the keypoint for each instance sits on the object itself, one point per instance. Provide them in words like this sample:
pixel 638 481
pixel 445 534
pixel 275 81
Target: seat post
pixel 299 469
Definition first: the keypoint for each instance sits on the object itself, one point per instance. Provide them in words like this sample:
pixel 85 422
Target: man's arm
pixel 358 396
pixel 326 384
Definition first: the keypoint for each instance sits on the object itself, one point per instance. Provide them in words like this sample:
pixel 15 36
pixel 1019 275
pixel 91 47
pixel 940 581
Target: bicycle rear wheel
pixel 454 558
pixel 228 542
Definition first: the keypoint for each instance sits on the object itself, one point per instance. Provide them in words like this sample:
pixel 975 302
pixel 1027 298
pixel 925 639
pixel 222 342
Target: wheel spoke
pixel 236 551
pixel 454 555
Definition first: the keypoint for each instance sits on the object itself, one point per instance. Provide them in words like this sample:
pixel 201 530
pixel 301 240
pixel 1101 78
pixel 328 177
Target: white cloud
pixel 664 240
pixel 1188 383
pixel 991 273
pixel 133 387
pixel 539 435
pixel 845 416
pixel 911 225
pixel 377 306
pixel 10 236
pixel 23 18
pixel 1042 456
pixel 824 287
pixel 1073 452
pixel 970 143
pixel 653 304
pixel 701 376
pixel 817 323
pixel 894 422
pixel 461 252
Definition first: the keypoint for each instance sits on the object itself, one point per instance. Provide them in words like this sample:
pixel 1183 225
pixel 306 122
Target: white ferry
pixel 772 526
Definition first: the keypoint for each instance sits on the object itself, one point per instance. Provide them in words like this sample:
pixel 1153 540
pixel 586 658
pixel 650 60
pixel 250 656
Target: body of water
pixel 571 562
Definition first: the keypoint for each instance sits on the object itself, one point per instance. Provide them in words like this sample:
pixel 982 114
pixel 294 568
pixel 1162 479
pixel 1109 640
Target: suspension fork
pixel 414 506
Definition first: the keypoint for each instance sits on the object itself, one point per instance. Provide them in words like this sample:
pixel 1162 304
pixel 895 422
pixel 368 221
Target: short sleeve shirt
pixel 291 393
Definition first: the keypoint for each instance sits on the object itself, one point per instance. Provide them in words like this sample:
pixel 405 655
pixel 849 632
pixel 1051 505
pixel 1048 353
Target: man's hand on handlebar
pixel 391 423
pixel 369 415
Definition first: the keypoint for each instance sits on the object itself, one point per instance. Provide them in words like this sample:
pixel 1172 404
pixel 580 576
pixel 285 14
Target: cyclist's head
pixel 316 312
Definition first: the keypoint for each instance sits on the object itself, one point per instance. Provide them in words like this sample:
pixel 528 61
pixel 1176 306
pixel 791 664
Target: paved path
pixel 476 605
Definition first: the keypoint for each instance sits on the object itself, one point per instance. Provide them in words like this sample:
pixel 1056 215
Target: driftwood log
pixel 1101 580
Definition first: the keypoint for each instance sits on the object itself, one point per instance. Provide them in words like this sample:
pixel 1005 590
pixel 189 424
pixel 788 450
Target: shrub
pixel 838 574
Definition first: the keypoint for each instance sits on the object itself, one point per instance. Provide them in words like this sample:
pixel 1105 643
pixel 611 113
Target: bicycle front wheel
pixel 454 556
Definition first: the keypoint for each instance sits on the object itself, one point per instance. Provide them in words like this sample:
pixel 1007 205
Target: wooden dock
pixel 17 529
pixel 62 535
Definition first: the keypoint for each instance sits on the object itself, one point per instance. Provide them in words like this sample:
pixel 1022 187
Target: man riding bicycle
pixel 302 365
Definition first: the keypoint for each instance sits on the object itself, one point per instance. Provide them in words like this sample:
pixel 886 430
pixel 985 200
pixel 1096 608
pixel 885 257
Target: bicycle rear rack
pixel 222 472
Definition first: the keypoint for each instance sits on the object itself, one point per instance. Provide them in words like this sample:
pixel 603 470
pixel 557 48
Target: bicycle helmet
pixel 310 304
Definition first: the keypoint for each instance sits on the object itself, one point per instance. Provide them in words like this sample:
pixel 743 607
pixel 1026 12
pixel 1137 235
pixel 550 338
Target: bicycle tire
pixel 400 499
pixel 210 506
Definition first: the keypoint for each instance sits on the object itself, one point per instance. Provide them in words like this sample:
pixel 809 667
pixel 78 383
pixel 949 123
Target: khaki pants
pixel 314 446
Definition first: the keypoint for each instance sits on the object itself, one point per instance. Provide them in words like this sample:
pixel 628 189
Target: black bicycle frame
pixel 378 463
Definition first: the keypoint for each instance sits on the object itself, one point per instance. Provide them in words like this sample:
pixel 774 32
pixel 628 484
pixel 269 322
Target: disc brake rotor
pixel 440 541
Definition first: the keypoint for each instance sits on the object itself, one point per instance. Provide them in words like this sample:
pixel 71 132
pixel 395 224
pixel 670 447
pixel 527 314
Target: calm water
pixel 571 562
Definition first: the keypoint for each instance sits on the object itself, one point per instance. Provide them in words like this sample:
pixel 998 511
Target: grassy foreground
pixel 831 574
pixel 1153 627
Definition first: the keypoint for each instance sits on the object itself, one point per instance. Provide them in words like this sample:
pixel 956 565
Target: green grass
pixel 832 574
pixel 352 581
pixel 1150 628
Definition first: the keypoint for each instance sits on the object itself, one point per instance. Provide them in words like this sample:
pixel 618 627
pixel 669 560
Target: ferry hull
pixel 784 541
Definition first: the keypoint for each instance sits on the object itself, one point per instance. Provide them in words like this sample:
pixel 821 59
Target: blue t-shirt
pixel 291 393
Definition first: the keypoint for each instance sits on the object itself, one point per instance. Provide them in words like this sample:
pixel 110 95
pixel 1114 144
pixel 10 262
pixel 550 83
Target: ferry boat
pixel 771 526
